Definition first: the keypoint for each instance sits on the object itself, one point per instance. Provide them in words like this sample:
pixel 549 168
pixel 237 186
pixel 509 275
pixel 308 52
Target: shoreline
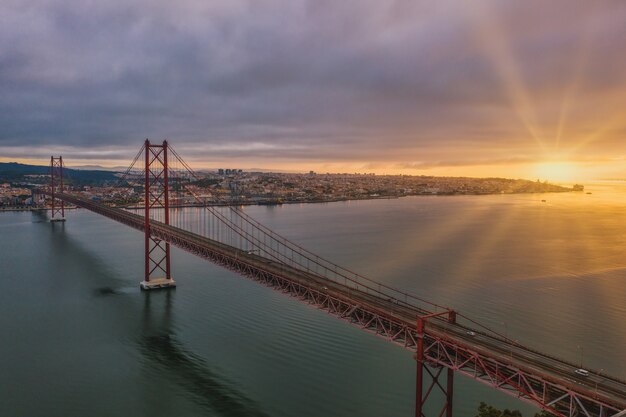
pixel 266 203
pixel 32 208
pixel 338 200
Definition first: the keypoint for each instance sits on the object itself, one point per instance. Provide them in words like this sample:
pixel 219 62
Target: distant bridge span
pixel 437 336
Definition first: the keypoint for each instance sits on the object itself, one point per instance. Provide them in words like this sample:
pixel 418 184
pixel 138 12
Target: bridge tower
pixel 56 186
pixel 435 372
pixel 156 196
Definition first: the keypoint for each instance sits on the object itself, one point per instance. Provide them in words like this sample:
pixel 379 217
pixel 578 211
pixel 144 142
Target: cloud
pixel 465 163
pixel 314 80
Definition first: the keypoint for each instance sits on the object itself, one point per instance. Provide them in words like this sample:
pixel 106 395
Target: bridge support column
pixel 57 213
pixel 157 272
pixel 434 372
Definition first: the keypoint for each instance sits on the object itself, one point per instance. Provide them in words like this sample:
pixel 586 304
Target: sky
pixel 525 89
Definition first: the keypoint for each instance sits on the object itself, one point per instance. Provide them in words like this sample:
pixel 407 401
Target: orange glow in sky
pixel 484 88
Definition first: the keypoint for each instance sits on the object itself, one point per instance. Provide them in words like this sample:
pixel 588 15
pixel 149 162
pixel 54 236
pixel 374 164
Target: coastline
pixel 337 200
pixel 277 203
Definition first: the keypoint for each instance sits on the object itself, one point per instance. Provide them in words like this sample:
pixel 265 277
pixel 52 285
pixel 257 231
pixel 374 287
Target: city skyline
pixel 526 90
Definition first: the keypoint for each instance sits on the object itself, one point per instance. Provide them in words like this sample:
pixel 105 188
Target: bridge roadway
pixel 501 363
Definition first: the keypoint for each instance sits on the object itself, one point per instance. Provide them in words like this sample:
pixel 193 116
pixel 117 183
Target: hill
pixel 13 171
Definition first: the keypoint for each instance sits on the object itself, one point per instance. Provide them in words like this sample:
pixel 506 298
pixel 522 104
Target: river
pixel 80 339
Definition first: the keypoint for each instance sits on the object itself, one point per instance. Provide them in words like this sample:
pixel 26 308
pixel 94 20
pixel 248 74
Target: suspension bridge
pixel 445 341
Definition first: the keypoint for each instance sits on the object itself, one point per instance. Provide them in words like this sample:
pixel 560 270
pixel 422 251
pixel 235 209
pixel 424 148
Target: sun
pixel 556 171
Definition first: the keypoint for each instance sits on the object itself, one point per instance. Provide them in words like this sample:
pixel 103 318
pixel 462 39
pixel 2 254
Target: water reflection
pixel 160 348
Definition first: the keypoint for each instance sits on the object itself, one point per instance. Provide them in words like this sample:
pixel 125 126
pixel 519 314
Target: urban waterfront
pixel 82 339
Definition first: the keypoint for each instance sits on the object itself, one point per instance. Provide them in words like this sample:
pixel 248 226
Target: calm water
pixel 80 339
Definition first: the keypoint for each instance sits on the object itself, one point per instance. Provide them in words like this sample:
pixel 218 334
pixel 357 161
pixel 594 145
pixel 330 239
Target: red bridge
pixel 444 340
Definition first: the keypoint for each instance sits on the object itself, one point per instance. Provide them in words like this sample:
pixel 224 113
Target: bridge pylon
pixel 156 196
pixel 55 185
pixel 434 371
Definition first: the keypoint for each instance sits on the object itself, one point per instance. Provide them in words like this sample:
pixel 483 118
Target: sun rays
pixel 555 122
pixel 494 40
